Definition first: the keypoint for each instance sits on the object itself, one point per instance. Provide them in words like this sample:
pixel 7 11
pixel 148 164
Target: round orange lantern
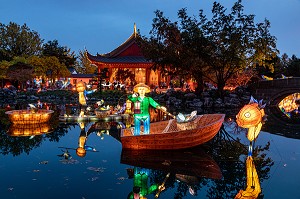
pixel 249 116
pixel 80 86
pixel 81 152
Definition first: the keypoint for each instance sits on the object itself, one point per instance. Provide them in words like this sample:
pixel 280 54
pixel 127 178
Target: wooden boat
pixel 172 135
pixel 186 164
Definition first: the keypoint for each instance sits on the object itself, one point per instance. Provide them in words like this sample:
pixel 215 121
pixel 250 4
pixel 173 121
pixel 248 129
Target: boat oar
pixel 169 114
pixel 162 186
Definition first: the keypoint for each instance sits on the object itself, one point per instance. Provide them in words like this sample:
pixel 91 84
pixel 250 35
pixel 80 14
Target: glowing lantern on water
pixel 251 117
pixel 29 117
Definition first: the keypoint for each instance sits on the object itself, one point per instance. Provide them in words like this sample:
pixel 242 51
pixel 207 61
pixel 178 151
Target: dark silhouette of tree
pixel 63 53
pixel 293 67
pixel 84 65
pixel 20 72
pixel 16 40
pixel 123 74
pixel 213 49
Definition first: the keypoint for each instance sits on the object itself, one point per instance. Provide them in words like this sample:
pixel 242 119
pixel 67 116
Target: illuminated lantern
pixel 81 152
pixel 137 107
pixel 80 87
pixel 251 117
pixel 27 117
pixel 128 106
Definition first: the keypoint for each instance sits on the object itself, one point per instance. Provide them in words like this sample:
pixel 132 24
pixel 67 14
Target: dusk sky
pixel 102 25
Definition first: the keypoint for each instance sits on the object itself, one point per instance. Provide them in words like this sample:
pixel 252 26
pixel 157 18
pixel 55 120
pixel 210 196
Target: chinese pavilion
pixel 127 56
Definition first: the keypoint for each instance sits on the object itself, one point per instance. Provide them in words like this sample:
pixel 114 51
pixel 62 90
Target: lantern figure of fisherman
pixel 141 107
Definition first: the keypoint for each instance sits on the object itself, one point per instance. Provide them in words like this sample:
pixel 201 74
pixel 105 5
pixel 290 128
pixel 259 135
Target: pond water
pixel 47 166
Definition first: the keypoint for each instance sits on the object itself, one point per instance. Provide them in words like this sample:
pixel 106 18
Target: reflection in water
pixel 290 105
pixel 140 183
pixel 253 188
pixel 186 166
pixel 29 129
pixel 221 174
pixel 82 146
pixel 100 128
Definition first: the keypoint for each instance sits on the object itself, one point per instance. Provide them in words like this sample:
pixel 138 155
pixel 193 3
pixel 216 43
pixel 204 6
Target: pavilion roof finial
pixel 134 30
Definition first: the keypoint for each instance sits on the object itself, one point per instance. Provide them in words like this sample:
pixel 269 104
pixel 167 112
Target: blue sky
pixel 102 25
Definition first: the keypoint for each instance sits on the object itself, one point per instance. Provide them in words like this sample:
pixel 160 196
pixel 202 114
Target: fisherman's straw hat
pixel 135 88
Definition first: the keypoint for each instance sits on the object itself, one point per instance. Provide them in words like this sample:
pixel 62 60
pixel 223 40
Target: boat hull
pixel 207 127
pixel 187 162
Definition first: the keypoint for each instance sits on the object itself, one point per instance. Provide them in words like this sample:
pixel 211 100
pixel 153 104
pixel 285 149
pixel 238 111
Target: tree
pixel 16 40
pixel 213 49
pixel 123 74
pixel 54 68
pixel 64 54
pixel 20 72
pixel 176 49
pixel 241 78
pixel 84 65
pixel 293 67
pixel 237 42
pixel 3 70
pixel 40 68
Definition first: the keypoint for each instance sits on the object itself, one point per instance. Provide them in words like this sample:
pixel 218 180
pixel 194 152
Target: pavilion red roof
pixel 128 52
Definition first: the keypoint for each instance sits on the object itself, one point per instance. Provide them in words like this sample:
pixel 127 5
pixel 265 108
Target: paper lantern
pixel 81 152
pixel 28 117
pixel 137 107
pixel 128 105
pixel 80 86
pixel 249 116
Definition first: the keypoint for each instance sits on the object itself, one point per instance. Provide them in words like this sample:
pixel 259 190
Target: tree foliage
pixel 40 68
pixel 16 40
pixel 293 67
pixel 54 68
pixel 214 49
pixel 123 74
pixel 84 65
pixel 20 72
pixel 64 54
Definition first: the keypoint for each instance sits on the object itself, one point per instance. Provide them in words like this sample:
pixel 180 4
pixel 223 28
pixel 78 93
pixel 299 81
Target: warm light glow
pixel 128 106
pixel 253 188
pixel 27 117
pixel 28 129
pixel 288 104
pixel 249 116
